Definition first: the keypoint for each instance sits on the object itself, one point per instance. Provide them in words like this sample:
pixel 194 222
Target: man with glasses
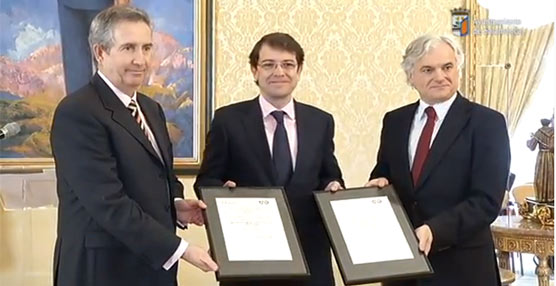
pixel 273 140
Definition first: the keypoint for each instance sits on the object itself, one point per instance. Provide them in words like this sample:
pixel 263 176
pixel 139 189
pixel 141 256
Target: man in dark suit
pixel 119 199
pixel 274 140
pixel 448 159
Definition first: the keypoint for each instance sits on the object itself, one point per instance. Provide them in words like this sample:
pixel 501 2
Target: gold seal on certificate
pixel 252 234
pixel 371 235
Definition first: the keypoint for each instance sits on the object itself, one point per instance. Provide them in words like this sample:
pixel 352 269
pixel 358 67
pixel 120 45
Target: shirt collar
pixel 441 109
pixel 268 108
pixel 124 98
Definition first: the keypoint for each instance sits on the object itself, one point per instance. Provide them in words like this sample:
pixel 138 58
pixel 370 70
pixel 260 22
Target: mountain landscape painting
pixel 32 78
pixel 172 81
pixel 31 75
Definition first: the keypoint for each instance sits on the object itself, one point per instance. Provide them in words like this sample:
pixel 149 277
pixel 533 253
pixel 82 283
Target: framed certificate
pixel 252 235
pixel 371 235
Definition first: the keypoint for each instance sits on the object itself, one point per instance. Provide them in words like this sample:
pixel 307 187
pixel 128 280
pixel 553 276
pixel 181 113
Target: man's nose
pixel 139 58
pixel 278 70
pixel 439 75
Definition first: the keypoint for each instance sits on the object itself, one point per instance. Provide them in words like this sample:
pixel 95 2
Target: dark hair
pixel 281 41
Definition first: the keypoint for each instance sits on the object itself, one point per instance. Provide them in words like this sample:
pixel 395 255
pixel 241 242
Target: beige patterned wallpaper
pixel 353 49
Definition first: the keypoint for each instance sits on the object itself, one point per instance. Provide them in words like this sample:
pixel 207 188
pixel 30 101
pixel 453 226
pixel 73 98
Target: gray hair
pixel 422 45
pixel 102 27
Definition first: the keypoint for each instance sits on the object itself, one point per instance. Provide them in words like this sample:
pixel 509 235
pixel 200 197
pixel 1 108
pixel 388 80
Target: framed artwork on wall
pixel 32 80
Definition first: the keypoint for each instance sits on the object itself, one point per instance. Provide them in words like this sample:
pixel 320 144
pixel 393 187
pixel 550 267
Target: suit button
pixel 161 175
pixel 167 208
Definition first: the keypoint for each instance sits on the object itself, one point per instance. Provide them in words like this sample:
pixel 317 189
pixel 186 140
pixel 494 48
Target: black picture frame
pixel 353 274
pixel 252 270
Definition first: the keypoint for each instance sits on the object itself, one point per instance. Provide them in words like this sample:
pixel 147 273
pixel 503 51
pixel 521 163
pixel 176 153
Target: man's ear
pixel 99 52
pixel 410 81
pixel 255 72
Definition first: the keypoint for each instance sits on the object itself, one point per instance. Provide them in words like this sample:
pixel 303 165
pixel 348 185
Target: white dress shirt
pixel 126 99
pixel 419 121
pixel 289 123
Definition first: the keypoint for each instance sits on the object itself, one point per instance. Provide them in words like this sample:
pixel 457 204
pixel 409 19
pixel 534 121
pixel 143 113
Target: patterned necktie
pixel 281 155
pixel 423 146
pixel 135 113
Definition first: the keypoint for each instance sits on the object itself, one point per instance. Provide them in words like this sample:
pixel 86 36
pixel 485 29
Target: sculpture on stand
pixel 542 206
pixel 544 168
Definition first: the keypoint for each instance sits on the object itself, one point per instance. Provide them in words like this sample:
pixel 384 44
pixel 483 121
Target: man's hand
pixel 230 184
pixel 190 211
pixel 378 182
pixel 199 258
pixel 424 235
pixel 333 186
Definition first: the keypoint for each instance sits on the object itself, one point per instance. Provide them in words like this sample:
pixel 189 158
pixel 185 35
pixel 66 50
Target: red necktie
pixel 424 145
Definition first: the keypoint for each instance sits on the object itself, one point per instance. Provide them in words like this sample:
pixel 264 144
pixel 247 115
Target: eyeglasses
pixel 272 66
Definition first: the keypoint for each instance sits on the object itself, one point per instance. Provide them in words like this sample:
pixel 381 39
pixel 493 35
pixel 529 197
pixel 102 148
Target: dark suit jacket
pixel 460 189
pixel 116 216
pixel 237 150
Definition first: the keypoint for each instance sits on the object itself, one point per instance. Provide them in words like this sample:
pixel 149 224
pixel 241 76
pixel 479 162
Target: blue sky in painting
pixel 27 25
pixel 175 17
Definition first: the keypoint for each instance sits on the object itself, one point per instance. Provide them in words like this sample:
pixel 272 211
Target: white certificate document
pixel 253 229
pixel 371 230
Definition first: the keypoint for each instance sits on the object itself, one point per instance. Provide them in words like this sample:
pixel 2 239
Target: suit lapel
pixel 157 127
pixel 457 117
pixel 254 128
pixel 303 126
pixel 121 115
